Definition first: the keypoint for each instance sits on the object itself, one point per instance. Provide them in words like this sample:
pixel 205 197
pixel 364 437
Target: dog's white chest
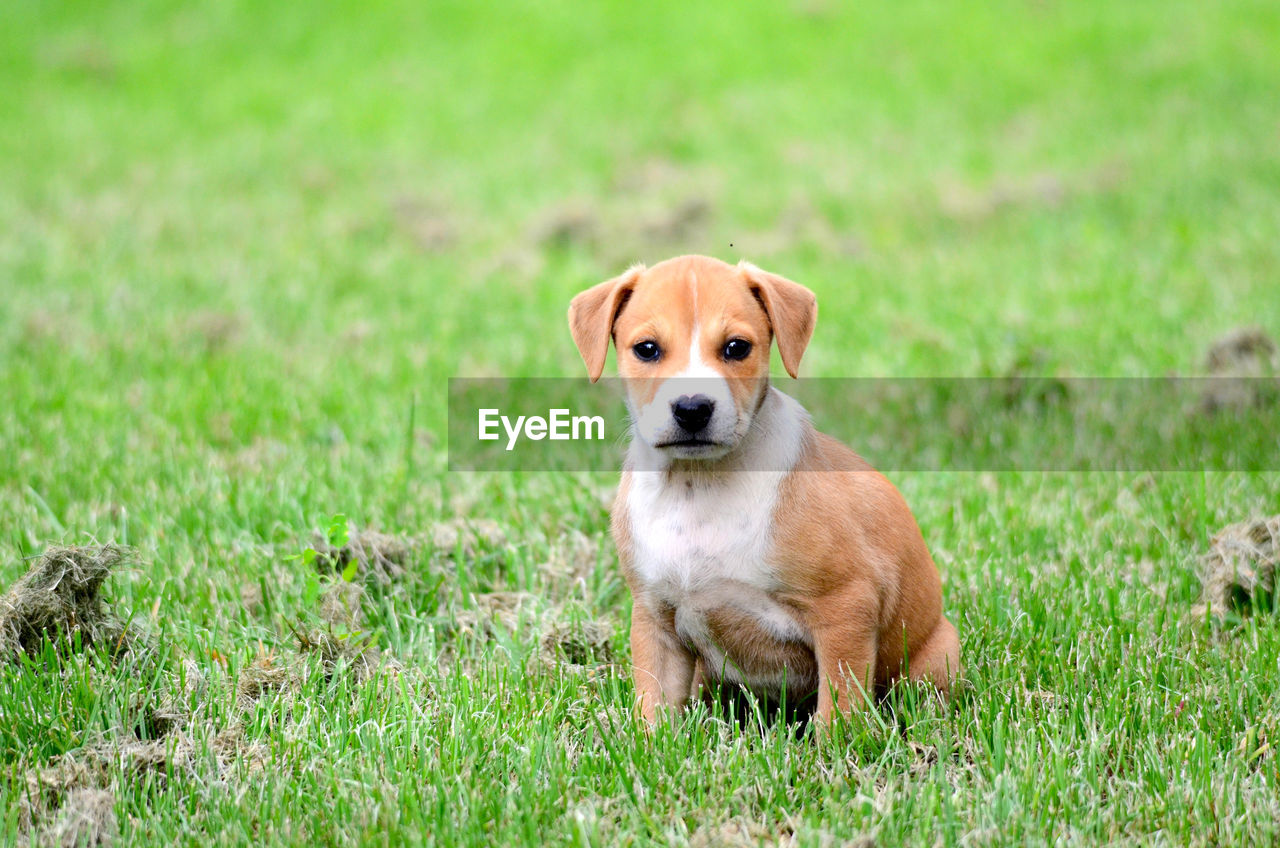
pixel 688 535
pixel 704 553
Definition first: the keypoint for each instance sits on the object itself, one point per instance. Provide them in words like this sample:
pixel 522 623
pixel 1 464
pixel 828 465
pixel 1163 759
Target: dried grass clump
pixel 272 675
pixel 266 675
pixel 468 537
pixel 572 558
pixel 382 558
pixel 490 611
pixel 741 833
pixel 58 599
pixel 489 615
pixel 580 645
pixel 355 651
pixel 97 766
pixel 338 640
pixel 564 637
pixel 87 817
pixel 1240 565
pixel 173 709
pixel 341 605
pixel 71 799
pixel 341 640
pixel 745 833
pixel 232 750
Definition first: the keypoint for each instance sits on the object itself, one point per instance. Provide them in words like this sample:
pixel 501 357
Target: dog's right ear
pixel 591 317
pixel 792 311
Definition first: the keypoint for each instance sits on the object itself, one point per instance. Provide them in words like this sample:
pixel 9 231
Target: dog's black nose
pixel 692 413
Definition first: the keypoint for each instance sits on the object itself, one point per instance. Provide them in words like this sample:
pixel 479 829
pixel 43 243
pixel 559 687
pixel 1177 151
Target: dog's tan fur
pixel 845 562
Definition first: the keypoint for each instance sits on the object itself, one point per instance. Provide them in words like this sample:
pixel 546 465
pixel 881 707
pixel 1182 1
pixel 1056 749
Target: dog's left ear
pixel 792 311
pixel 591 317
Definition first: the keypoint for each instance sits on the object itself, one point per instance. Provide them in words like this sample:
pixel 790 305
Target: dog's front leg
pixel 662 665
pixel 846 647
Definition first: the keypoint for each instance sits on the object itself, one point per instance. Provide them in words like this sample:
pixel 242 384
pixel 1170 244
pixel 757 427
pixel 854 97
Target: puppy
pixel 758 551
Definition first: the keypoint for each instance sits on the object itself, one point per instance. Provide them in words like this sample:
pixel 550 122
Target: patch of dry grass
pixel 60 599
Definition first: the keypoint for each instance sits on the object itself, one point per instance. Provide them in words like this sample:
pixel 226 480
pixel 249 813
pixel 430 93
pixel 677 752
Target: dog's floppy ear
pixel 792 311
pixel 591 317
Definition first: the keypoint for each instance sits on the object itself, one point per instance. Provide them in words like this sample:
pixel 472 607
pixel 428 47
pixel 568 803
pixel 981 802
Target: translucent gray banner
pixel 912 424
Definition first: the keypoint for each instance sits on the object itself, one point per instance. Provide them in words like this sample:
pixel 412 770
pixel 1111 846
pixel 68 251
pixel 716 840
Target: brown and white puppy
pixel 757 550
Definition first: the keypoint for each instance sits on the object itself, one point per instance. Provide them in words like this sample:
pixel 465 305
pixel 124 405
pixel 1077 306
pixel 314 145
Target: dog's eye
pixel 646 351
pixel 736 349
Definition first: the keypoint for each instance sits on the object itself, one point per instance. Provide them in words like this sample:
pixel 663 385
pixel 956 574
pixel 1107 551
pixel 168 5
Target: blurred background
pixel 255 237
pixel 234 233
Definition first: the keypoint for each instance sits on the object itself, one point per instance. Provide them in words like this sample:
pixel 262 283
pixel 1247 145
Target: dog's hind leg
pixel 937 659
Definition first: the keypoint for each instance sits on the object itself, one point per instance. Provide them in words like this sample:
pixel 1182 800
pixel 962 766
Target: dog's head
pixel 693 336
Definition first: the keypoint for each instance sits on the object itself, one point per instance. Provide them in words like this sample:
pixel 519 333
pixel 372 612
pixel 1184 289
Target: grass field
pixel 243 246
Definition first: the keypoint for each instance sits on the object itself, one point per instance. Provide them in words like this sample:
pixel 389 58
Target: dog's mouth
pixel 688 443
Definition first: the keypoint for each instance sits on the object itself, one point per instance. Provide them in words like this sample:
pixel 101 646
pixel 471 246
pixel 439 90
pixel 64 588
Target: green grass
pixel 242 248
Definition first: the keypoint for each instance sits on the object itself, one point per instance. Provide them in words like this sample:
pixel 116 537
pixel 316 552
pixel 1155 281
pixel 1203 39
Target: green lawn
pixel 243 246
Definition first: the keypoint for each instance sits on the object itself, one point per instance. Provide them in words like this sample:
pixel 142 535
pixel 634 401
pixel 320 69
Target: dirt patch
pixel 1244 350
pixel 677 223
pixel 59 599
pixel 923 758
pixel 429 227
pixel 251 599
pixel 274 674
pixel 1031 381
pixel 801 223
pixel 970 203
pixel 1239 359
pixel 341 605
pixel 162 718
pixel 1240 566
pixel 574 224
pixel 565 636
pixel 650 175
pixel 215 330
pixel 645 227
pixel 173 709
pixel 963 201
pixel 233 750
pixel 88 59
pixel 341 640
pixel 334 635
